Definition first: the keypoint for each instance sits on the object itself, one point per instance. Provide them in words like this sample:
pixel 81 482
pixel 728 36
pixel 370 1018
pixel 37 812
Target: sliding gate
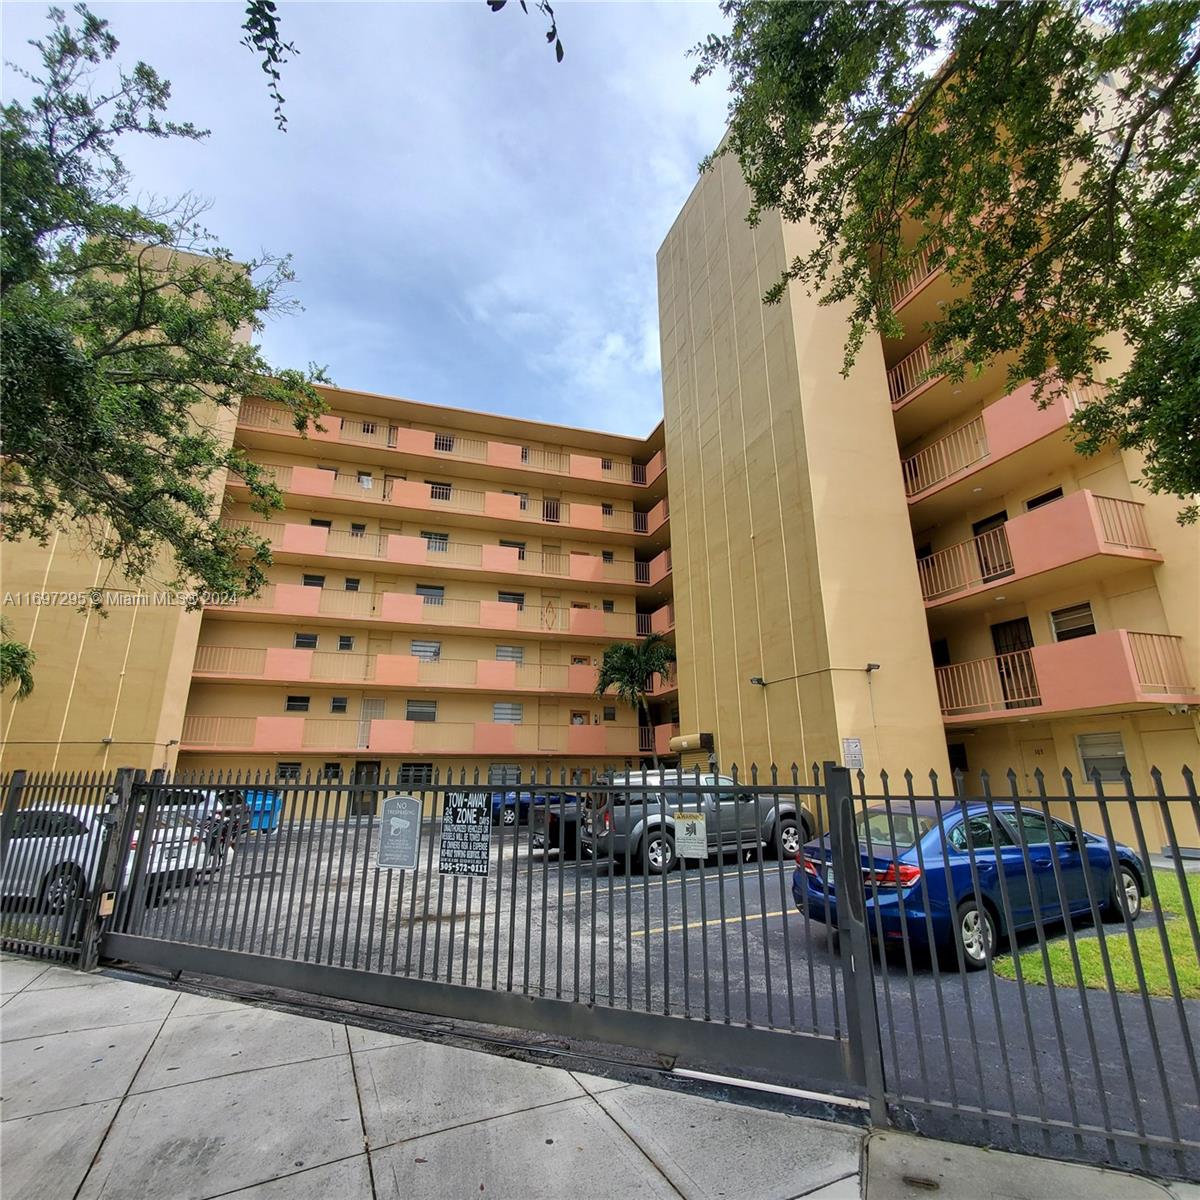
pixel 701 965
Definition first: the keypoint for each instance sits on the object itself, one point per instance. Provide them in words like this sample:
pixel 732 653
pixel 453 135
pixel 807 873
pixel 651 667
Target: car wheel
pixel 61 889
pixel 658 854
pixel 1124 896
pixel 508 816
pixel 976 933
pixel 787 838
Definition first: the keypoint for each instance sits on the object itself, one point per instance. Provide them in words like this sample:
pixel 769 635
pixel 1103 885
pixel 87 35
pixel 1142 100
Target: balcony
pixel 260 424
pixel 291 602
pixel 295 735
pixel 664 685
pixel 662 620
pixel 1010 442
pixel 1052 547
pixel 313 543
pixel 913 379
pixel 656 739
pixel 324 491
pixel 1117 669
pixel 278 664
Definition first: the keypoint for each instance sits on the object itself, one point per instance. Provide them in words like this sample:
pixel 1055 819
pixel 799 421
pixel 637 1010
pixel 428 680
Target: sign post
pixel 399 834
pixel 466 835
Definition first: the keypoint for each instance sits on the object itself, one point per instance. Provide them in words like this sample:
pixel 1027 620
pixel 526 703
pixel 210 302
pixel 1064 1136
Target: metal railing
pixel 1037 940
pixel 230 660
pixel 968 564
pixel 958 450
pixel 910 373
pixel 1122 523
pixel 988 684
pixel 218 731
pixel 920 271
pixel 1159 662
pixel 454 445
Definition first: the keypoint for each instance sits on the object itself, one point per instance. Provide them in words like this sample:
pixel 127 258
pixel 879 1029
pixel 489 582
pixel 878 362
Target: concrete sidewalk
pixel 114 1088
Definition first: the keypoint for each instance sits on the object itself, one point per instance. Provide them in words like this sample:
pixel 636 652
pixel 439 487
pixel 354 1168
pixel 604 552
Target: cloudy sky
pixel 472 224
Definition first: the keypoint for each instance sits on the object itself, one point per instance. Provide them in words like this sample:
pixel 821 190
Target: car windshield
pixel 883 828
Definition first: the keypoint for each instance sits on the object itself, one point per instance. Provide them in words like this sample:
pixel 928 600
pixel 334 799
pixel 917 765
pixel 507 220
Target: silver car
pixel 630 819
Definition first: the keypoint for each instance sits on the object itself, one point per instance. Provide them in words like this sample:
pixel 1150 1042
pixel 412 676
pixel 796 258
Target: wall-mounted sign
pixel 852 755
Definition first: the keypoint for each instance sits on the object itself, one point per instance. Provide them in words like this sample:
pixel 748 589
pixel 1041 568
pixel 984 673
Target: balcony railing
pixel 230 660
pixel 218 731
pixel 966 565
pixel 988 684
pixel 1158 660
pixel 959 449
pixel 920 271
pixel 910 373
pixel 1122 523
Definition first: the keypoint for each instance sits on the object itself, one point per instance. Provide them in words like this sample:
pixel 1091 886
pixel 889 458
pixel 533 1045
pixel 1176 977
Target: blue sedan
pixel 508 808
pixel 918 866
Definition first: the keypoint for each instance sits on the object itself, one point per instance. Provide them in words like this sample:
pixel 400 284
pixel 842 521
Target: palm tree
pixel 628 666
pixel 16 664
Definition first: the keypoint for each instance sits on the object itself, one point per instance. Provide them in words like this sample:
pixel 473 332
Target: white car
pixel 54 854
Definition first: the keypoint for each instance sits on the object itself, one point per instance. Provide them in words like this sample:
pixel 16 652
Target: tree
pixel 125 335
pixel 628 666
pixel 16 664
pixel 1049 150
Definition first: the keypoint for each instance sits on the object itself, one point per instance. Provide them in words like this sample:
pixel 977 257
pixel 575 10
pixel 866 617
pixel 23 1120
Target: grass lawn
pixel 1120 953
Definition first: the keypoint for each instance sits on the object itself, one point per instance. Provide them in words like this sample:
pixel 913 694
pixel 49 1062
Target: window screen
pixel 1103 752
pixel 610 712
pixel 421 710
pixel 510 654
pixel 504 713
pixel 1074 622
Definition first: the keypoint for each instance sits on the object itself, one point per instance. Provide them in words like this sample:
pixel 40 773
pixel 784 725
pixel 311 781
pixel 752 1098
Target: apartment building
pixel 444 585
pixel 925 567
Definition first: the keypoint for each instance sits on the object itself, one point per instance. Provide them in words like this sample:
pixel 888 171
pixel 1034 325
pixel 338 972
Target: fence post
pixel 116 824
pixel 12 802
pixel 854 946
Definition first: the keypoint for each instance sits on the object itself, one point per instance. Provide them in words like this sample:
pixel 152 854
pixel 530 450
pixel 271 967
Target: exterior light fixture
pixel 758 681
pixel 871 667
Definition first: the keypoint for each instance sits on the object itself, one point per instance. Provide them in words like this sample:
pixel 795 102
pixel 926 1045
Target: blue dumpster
pixel 265 808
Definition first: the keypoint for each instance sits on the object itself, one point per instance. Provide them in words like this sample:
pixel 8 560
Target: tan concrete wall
pixel 790 532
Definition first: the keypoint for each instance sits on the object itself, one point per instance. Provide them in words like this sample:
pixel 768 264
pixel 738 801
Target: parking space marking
pixel 702 924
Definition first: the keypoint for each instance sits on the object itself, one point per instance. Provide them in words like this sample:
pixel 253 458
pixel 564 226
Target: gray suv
pixel 632 816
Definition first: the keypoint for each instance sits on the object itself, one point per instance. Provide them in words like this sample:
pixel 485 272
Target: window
pixel 431 593
pixel 339 704
pixel 985 835
pixel 607 555
pixel 440 491
pixel 352 585
pixel 609 606
pixel 414 774
pixel 579 717
pixel 504 713
pixel 957 753
pixel 582 604
pixel 365 479
pixel 519 547
pixel 427 651
pixel 1103 752
pixel 525 454
pixel 606 509
pixel 357 529
pixel 345 641
pixel 296 704
pixel 332 772
pixel 369 427
pixel 304 641
pixel 436 542
pixel 420 710
pixel 313 580
pixel 522 496
pixel 606 464
pixel 610 712
pixel 580 660
pixel 1044 498
pixel 517 598
pixel 1031 827
pixel 504 775
pixel 510 654
pixel 320 522
pixel 1073 622
pixel 443 442
pixel 287 772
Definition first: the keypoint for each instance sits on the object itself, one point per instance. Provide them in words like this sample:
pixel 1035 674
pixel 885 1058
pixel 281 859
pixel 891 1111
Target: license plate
pixel 829 876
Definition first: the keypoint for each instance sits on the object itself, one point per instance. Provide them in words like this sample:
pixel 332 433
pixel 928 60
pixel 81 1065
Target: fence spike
pixel 1157 777
pixel 1189 779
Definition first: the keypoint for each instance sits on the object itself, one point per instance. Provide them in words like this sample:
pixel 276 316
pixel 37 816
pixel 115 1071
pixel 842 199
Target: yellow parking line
pixel 713 921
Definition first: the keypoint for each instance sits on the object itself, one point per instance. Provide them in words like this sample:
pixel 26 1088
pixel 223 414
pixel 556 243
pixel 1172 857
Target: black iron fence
pixel 1022 971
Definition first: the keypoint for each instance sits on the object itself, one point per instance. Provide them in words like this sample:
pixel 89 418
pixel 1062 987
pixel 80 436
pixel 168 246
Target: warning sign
pixel 399 833
pixel 691 836
pixel 466 834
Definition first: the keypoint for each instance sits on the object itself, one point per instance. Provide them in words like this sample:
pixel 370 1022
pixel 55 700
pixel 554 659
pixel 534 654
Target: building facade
pixel 926 567
pixel 443 587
